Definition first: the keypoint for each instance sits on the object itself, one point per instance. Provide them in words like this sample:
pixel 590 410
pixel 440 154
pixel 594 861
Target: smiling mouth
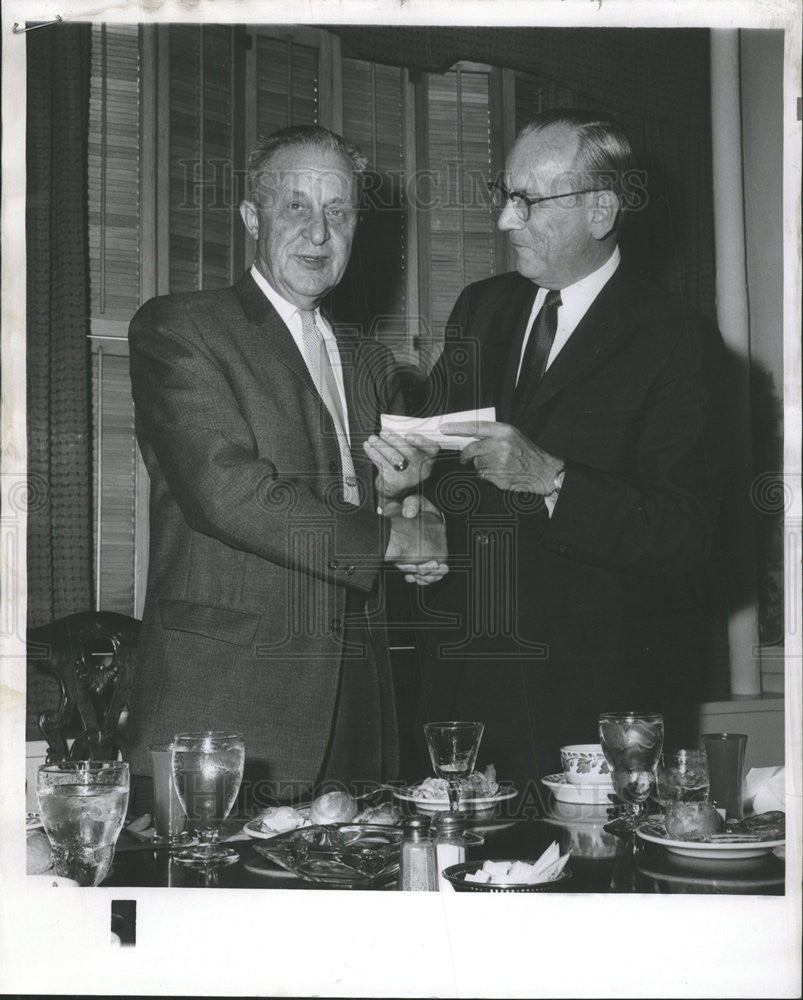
pixel 312 260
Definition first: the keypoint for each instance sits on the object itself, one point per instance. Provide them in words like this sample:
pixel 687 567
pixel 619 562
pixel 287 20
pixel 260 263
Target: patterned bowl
pixel 585 764
pixel 456 875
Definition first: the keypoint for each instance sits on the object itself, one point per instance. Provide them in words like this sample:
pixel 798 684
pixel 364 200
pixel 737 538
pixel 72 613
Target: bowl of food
pixel 585 764
pixel 511 876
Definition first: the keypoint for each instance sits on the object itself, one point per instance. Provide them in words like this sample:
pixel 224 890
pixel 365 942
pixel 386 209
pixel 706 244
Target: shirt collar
pixel 575 299
pixel 286 309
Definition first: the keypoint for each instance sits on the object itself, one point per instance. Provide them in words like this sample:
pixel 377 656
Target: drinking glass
pixel 453 748
pixel 82 805
pixel 726 771
pixel 631 742
pixel 169 818
pixel 207 770
pixel 682 776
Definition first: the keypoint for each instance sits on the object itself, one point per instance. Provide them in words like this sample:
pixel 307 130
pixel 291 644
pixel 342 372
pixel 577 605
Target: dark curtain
pixel 59 368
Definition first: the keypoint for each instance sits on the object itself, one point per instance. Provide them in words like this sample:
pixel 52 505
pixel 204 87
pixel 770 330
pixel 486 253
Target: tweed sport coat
pixel 599 606
pixel 252 549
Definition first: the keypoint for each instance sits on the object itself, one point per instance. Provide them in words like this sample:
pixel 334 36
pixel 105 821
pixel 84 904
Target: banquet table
pixel 599 863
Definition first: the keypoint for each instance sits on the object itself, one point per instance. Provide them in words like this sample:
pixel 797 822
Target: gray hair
pixel 605 156
pixel 298 137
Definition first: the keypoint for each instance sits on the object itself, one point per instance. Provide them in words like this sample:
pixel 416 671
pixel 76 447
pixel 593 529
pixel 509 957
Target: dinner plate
pixel 711 850
pixel 480 805
pixel 566 791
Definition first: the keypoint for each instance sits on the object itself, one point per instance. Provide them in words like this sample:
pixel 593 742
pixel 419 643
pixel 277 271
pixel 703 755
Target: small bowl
pixel 585 764
pixel 455 874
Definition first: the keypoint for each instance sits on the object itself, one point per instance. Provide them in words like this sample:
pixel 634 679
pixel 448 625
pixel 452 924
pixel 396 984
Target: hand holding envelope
pixel 430 427
pixel 403 454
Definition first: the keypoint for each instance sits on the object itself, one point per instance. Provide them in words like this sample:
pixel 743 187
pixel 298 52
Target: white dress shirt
pixel 575 301
pixel 291 315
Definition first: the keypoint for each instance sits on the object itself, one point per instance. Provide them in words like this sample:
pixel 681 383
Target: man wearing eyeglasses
pixel 582 519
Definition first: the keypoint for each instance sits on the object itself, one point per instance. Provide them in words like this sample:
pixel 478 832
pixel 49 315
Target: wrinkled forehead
pixel 321 175
pixel 538 160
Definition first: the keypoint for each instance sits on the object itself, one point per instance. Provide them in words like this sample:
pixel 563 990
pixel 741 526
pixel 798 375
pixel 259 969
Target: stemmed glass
pixel 453 748
pixel 631 742
pixel 207 770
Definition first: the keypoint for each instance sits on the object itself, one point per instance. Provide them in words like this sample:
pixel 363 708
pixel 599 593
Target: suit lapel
pixel 269 329
pixel 598 334
pixel 513 316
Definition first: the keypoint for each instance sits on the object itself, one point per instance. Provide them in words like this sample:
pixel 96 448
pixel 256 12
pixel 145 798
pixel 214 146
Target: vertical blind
pixel 114 197
pixel 459 137
pixel 201 156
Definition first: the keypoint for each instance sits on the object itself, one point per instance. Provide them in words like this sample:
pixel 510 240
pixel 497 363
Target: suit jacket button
pixel 333 564
pixel 335 625
pixel 349 570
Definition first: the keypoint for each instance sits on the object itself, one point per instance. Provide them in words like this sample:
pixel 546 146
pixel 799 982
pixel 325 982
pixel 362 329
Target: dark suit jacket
pixel 596 607
pixel 252 550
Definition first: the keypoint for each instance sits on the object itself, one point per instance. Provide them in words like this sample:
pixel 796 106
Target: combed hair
pixel 604 151
pixel 301 136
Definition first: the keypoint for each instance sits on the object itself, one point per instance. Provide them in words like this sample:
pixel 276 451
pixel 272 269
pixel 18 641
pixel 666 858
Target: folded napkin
pixel 429 427
pixel 764 789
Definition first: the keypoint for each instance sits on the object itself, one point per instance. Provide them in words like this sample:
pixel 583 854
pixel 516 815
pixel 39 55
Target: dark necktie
pixel 536 353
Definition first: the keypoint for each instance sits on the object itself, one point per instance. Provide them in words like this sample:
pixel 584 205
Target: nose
pixel 509 218
pixel 318 229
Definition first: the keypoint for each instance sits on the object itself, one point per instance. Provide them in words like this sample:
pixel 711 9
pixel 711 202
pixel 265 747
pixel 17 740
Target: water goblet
pixel 82 805
pixel 631 742
pixel 207 770
pixel 453 748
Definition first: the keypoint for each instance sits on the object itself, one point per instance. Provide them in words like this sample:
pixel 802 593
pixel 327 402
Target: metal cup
pixel 725 752
pixel 169 818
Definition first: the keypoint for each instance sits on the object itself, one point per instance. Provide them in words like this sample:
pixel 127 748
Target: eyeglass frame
pixel 528 201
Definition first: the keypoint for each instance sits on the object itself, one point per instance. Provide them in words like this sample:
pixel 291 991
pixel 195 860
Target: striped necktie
pixel 317 359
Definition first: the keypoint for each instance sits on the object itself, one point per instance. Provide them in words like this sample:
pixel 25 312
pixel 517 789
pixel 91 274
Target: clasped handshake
pixel 500 453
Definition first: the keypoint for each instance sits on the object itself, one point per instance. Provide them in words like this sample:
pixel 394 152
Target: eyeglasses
pixel 521 202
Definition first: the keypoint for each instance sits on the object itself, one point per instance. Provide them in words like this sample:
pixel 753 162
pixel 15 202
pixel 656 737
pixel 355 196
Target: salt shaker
pixel 450 845
pixel 417 872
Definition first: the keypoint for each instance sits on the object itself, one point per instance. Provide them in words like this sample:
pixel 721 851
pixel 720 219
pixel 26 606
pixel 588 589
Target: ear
pixel 250 217
pixel 604 215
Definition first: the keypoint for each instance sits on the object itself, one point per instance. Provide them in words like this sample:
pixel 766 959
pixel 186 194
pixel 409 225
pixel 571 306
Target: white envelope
pixel 430 426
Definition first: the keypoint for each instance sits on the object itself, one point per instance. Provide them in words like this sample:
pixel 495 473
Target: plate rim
pixel 573 793
pixel 562 781
pixel 505 792
pixel 733 850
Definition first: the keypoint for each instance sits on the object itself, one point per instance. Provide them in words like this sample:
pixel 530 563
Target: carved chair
pixel 90 655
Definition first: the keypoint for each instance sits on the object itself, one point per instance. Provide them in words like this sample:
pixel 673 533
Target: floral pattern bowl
pixel 585 764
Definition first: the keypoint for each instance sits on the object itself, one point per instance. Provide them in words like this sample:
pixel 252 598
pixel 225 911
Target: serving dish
pixel 713 850
pixel 345 855
pixel 481 807
pixel 455 874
